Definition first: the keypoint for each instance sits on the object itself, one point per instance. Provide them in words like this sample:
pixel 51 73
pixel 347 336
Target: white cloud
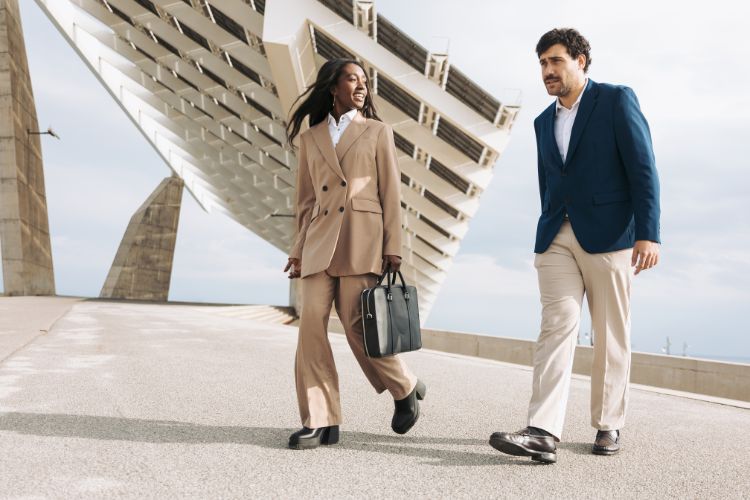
pixel 476 275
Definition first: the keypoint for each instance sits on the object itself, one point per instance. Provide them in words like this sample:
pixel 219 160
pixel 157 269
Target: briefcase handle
pixel 392 281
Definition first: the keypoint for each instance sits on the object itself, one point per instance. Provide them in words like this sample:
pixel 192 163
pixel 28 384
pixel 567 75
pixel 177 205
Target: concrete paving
pixel 124 400
pixel 23 319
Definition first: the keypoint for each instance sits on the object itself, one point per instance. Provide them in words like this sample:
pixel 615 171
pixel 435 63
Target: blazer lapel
pixel 548 138
pixel 322 138
pixel 588 102
pixel 355 129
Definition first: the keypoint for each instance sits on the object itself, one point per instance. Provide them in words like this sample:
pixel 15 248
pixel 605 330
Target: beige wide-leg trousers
pixel 565 273
pixel 315 370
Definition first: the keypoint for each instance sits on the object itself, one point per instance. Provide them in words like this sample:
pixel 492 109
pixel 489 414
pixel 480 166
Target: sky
pixel 684 61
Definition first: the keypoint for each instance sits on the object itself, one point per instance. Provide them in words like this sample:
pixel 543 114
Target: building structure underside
pixel 210 83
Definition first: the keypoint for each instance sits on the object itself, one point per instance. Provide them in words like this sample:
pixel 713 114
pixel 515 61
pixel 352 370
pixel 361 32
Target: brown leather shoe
pixel 525 444
pixel 607 443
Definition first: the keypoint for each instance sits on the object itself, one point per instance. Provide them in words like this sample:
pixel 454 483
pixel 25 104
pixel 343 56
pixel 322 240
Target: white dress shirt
pixel 337 129
pixel 564 119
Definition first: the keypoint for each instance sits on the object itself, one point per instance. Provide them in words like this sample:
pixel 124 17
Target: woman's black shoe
pixel 305 439
pixel 407 410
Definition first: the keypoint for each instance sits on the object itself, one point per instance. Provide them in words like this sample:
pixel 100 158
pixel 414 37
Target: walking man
pixel 599 226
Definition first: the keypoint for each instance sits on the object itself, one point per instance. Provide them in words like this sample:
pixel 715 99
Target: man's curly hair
pixel 571 39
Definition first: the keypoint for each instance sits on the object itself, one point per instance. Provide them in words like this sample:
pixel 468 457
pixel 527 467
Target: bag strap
pixel 403 281
pixel 408 312
pixel 382 277
pixel 391 281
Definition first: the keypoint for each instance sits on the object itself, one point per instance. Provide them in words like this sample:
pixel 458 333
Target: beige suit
pixel 348 216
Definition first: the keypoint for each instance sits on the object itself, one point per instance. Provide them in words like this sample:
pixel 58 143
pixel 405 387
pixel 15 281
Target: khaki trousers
pixel 315 370
pixel 565 272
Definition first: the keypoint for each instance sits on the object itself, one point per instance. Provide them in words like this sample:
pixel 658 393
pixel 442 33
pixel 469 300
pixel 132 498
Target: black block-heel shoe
pixel 406 412
pixel 306 439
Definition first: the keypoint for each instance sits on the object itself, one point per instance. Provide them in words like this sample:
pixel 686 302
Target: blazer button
pixel 325 188
pixel 341 209
pixel 325 213
pixel 343 183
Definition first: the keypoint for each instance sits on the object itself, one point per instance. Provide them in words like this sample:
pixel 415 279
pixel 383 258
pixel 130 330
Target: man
pixel 599 195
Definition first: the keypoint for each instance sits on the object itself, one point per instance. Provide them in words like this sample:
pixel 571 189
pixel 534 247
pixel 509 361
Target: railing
pixel 401 45
pixel 343 8
pixel 329 49
pixel 468 92
pixel 459 140
pixel 402 100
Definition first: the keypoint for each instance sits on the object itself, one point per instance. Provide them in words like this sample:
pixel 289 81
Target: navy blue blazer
pixel 608 184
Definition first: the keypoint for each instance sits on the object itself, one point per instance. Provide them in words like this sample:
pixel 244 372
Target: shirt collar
pixel 349 116
pixel 559 106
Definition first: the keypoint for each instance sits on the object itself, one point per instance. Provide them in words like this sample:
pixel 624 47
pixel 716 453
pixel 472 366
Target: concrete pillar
pixel 24 226
pixel 142 269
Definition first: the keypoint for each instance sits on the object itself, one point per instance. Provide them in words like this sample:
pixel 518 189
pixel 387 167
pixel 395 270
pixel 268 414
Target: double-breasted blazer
pixel 348 203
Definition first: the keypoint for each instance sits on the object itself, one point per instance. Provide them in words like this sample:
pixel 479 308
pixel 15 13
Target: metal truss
pixel 195 78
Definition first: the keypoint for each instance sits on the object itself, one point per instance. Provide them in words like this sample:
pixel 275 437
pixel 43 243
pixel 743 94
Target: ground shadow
pixel 577 448
pixel 432 449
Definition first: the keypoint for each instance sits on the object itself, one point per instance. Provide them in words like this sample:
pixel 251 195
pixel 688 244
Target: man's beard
pixel 563 90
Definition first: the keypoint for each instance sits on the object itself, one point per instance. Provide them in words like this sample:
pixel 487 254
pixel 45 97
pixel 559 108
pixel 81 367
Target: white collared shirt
pixel 337 129
pixel 564 119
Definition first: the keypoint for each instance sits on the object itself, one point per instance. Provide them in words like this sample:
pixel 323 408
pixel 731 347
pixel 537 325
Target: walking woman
pixel 348 232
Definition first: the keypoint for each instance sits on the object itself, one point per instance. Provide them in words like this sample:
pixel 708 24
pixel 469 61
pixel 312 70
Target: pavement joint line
pixel 41 333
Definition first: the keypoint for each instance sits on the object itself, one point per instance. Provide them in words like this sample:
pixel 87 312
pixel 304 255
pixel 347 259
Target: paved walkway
pixel 145 401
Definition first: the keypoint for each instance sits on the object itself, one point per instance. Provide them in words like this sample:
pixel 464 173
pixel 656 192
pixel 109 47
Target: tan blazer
pixel 348 199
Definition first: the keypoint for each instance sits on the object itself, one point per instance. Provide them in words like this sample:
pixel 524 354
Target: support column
pixel 24 225
pixel 142 269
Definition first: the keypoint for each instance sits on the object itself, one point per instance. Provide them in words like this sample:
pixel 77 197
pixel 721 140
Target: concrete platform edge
pixel 705 380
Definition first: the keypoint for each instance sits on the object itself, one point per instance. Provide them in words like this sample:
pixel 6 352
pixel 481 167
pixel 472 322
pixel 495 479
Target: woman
pixel 348 231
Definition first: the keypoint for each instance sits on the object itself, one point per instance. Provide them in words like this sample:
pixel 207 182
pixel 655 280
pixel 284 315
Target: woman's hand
pixel 391 263
pixel 296 268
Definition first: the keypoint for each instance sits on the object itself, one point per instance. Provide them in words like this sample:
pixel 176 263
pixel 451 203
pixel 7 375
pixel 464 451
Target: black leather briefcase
pixel 390 317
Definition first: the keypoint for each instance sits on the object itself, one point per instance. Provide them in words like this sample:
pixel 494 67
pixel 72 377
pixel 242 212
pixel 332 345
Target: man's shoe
pixel 306 439
pixel 406 413
pixel 526 443
pixel 607 443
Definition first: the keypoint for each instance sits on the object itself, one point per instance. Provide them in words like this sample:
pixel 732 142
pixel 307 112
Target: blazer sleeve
pixel 389 189
pixel 637 154
pixel 305 201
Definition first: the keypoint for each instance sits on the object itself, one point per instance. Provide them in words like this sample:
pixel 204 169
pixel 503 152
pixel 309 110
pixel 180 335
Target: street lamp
pixel 29 133
pixel 49 131
pixel 667 347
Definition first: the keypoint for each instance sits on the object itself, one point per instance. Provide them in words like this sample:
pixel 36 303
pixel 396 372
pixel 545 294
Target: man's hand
pixel 296 268
pixel 645 255
pixel 391 263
